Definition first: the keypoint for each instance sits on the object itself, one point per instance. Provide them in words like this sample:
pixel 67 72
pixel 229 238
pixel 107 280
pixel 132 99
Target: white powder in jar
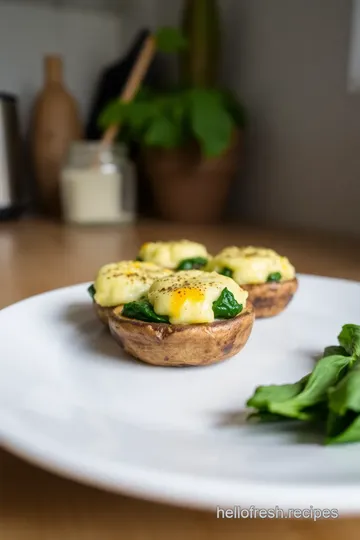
pixel 92 196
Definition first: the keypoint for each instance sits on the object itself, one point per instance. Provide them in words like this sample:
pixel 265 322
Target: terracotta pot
pixel 187 187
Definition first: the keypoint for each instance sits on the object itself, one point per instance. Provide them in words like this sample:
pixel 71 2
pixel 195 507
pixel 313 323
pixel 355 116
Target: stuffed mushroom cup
pixel 190 318
pixel 119 283
pixel 176 256
pixel 269 278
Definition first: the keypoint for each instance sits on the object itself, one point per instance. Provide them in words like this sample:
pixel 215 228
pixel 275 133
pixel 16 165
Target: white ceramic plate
pixel 73 402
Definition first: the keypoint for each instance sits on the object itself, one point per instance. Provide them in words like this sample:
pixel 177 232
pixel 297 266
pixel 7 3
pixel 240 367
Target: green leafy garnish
pixel 264 396
pixel 335 350
pixel 191 264
pixel 331 393
pixel 226 307
pixel 91 290
pixel 226 272
pixel 266 417
pixel 142 310
pixel 346 395
pixel 309 391
pixel 139 259
pixel 275 276
pixel 343 429
pixel 349 338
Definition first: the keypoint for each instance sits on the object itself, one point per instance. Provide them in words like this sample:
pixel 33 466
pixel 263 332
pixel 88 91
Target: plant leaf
pixel 114 113
pixel 142 310
pixel 226 307
pixel 170 40
pixel 211 123
pixel 145 93
pixel 162 132
pixel 191 264
pixel 139 114
pixel 173 118
pixel 133 116
pixel 349 338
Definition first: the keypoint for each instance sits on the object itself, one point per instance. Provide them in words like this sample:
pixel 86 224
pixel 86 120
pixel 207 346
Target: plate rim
pixel 175 488
pixel 178 490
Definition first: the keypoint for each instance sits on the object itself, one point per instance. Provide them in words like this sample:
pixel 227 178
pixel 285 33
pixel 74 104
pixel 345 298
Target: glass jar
pixel 98 184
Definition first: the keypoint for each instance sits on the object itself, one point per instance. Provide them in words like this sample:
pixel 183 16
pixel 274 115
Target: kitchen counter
pixel 36 256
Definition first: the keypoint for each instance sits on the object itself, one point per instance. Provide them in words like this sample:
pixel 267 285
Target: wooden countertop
pixel 37 256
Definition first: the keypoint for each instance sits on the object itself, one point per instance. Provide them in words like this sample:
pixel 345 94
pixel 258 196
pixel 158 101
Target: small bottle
pixel 98 185
pixel 55 124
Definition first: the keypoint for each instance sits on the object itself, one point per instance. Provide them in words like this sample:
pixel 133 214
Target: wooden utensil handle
pixel 134 81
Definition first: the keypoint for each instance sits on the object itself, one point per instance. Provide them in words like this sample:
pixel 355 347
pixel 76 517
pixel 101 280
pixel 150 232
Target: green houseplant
pixel 191 134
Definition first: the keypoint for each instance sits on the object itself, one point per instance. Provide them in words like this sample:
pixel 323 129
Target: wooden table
pixel 38 256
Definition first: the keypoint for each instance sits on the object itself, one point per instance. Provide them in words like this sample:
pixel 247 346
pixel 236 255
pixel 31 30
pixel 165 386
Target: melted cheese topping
pixel 187 296
pixel 170 254
pixel 252 265
pixel 126 281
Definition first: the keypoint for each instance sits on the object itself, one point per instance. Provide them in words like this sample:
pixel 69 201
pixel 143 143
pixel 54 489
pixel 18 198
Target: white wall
pixel 289 63
pixel 88 41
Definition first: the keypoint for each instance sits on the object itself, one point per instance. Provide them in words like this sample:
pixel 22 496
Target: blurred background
pixel 293 158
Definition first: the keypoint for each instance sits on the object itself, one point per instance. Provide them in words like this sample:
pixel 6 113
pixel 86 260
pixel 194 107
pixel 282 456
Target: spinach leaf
pixel 142 310
pixel 330 394
pixel 265 417
pixel 349 338
pixel 192 264
pixel 226 307
pixel 344 404
pixel 325 375
pixel 334 350
pixel 298 400
pixel 343 429
pixel 91 290
pixel 226 272
pixel 274 277
pixel 346 395
pixel 265 395
pixel 316 414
